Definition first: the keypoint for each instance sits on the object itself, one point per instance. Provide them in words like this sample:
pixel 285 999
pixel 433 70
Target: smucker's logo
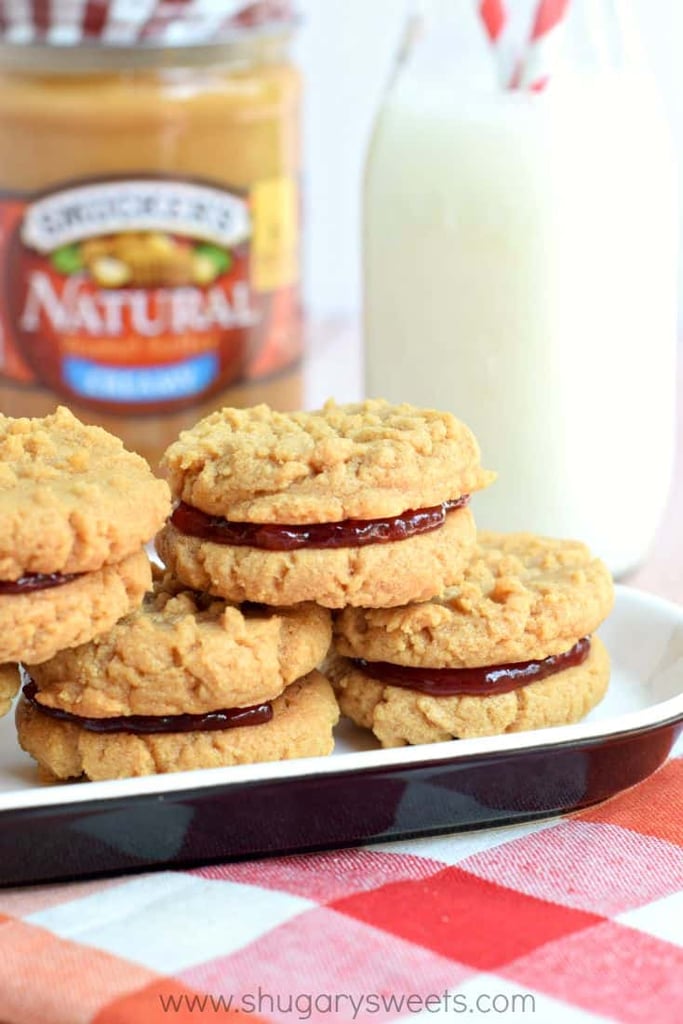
pixel 135 291
pixel 108 208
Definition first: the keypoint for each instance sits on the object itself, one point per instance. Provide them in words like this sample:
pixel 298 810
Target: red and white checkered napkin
pixel 572 920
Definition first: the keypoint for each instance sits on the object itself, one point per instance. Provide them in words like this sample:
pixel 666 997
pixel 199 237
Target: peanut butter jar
pixel 149 212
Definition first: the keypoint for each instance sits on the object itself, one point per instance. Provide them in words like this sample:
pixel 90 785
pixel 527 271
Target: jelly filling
pixel 349 533
pixel 479 682
pixel 36 581
pixel 212 721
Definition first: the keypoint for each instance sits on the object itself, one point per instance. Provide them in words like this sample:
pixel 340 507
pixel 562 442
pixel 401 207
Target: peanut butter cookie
pixel 508 647
pixel 35 625
pixel 359 461
pixel 72 499
pixel 361 504
pixel 183 652
pixel 376 575
pixel 520 597
pixel 400 716
pixel 301 726
pixel 76 509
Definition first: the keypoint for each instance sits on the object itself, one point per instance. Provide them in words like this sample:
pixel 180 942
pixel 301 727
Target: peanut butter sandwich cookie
pixel 76 509
pixel 361 504
pixel 186 681
pixel 509 648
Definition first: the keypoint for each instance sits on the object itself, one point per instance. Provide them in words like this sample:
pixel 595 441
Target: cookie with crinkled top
pixel 520 620
pixel 301 726
pixel 72 499
pixel 183 652
pixel 184 681
pixel 354 468
pixel 361 461
pixel 521 597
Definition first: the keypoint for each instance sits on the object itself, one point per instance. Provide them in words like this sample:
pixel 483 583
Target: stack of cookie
pixel 76 510
pixel 361 509
pixel 181 683
pixel 508 648
pixel 363 504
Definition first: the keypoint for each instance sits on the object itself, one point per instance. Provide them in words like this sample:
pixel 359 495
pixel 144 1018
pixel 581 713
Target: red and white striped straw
pixel 538 62
pixel 494 15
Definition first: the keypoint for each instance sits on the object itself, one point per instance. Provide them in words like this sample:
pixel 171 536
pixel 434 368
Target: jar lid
pixel 129 23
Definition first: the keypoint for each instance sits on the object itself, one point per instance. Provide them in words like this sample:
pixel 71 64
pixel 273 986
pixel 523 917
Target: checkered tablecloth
pixel 577 919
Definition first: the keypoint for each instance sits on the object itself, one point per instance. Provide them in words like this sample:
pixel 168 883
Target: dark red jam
pixel 35 581
pixel 350 533
pixel 212 721
pixel 479 682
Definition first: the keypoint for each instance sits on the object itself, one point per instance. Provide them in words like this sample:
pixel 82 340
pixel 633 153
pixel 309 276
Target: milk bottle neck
pixel 449 39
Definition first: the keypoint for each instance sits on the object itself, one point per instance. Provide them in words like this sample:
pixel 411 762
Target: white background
pixel 346 49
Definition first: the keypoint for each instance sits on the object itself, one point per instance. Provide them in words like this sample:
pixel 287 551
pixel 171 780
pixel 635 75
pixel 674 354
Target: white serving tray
pixel 361 793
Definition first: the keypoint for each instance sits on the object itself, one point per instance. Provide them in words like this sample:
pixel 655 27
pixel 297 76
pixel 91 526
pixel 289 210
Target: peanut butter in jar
pixel 149 217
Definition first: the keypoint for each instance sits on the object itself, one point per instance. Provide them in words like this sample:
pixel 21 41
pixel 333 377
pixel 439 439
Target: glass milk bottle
pixel 520 248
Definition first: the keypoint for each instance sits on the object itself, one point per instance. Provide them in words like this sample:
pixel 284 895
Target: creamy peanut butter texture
pixel 150 245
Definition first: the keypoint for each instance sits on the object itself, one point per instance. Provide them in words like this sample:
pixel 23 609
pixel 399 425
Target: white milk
pixel 520 270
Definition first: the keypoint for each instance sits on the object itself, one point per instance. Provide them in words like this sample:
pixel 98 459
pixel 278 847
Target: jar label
pixel 148 294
